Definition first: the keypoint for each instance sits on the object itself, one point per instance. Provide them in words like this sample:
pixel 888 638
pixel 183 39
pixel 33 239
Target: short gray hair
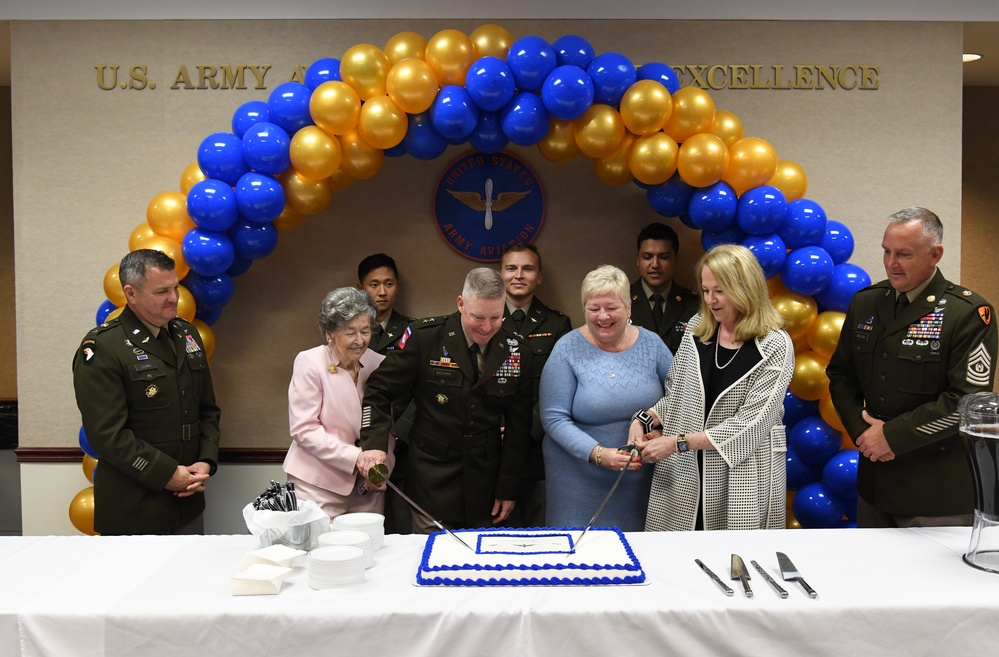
pixel 606 279
pixel 132 268
pixel 483 283
pixel 342 306
pixel 932 226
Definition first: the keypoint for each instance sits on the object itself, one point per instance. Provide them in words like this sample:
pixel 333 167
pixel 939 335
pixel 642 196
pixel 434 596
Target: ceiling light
pixel 970 57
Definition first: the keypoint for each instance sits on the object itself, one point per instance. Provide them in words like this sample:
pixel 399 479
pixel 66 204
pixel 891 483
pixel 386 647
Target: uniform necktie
pixel 376 333
pixel 900 303
pixel 166 341
pixel 518 319
pixel 657 309
pixel 473 352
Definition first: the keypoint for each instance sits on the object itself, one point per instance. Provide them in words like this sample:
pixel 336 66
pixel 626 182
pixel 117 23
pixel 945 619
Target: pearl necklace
pixel 719 366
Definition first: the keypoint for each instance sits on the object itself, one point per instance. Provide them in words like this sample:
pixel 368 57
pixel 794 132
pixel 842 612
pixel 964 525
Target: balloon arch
pixel 286 156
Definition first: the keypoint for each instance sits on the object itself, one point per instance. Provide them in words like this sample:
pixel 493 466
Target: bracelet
pixel 596 457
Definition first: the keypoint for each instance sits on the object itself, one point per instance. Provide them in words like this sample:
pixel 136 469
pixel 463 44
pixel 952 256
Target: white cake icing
pixel 529 557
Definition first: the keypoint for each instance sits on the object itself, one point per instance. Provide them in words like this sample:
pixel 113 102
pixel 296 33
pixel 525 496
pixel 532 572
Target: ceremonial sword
pixel 633 451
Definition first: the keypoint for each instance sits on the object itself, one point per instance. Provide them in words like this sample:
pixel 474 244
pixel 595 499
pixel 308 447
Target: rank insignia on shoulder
pixel 405 337
pixel 986 314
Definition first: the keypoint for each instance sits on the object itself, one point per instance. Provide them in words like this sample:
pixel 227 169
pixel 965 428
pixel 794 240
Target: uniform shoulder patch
pixel 985 313
pixel 405 337
pixel 979 371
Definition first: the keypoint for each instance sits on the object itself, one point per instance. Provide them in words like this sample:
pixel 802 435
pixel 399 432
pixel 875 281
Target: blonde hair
pixel 741 279
pixel 606 279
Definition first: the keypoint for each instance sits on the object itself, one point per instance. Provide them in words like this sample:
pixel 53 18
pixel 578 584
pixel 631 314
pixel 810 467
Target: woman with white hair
pixel 324 408
pixel 595 378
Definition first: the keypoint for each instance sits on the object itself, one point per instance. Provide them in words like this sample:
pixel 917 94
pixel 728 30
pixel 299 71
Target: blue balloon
pixel 731 235
pixel 105 309
pixel 208 316
pixel 248 115
pixel 259 197
pixel 209 292
pixel 837 241
pixel 220 156
pixel 662 73
pixel 207 252
pixel 846 280
pixel 288 106
pixel 807 270
pixel 85 445
pixel 769 250
pixel 266 148
pixel 525 120
pixel 612 73
pixel 687 221
pixel 816 507
pixel 239 267
pixel 713 208
pixel 453 113
pixel 421 140
pixel 671 198
pixel 814 441
pixel 212 205
pixel 252 240
pixel 800 473
pixel 762 210
pixel 490 83
pixel 796 408
pixel 573 50
pixel 531 59
pixel 396 151
pixel 488 136
pixel 850 511
pixel 639 184
pixel 567 92
pixel 326 69
pixel 840 473
pixel 805 224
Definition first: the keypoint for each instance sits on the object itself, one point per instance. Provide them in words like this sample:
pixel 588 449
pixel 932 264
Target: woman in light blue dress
pixel 596 378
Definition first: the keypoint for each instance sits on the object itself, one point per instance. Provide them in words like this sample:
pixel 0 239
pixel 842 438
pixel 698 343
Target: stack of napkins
pixel 263 570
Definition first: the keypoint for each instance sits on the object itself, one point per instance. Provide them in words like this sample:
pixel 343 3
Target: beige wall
pixel 87 161
pixel 8 338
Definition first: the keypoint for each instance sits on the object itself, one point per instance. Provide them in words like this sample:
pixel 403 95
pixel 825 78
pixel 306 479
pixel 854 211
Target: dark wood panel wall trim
pixel 75 455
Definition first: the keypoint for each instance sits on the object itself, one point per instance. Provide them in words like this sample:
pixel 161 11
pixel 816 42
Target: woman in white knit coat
pixel 716 437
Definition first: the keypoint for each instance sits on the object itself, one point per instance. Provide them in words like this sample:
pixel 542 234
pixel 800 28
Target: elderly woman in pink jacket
pixel 324 408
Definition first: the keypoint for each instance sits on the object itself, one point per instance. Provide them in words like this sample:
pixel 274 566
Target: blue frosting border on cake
pixel 634 566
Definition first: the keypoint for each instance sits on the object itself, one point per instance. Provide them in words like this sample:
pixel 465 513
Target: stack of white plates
pixel 351 537
pixel 372 524
pixel 336 566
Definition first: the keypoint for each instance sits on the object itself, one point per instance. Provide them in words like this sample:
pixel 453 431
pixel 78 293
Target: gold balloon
pixel 335 107
pixel 112 286
pixel 190 177
pixel 382 123
pixel 304 196
pixel 405 45
pixel 314 153
pixel 412 85
pixel 186 305
pixel 491 41
pixel 89 463
pixel 139 235
pixel 599 131
pixel 790 521
pixel 824 334
pixel 653 158
pixel 800 344
pixel 751 162
pixel 81 511
pixel 775 286
pixel 828 413
pixel 645 107
pixel 114 314
pixel 172 249
pixel 364 67
pixel 613 169
pixel 693 112
pixel 790 178
pixel 360 160
pixel 340 180
pixel 798 311
pixel 559 145
pixel 288 219
pixel 207 336
pixel 847 442
pixel 450 54
pixel 809 380
pixel 167 215
pixel 702 159
pixel 727 126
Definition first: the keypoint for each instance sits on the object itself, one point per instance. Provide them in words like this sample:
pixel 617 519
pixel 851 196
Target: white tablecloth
pixel 880 592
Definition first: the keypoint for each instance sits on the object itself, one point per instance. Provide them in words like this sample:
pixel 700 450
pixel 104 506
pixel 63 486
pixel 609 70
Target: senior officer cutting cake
pixel 465 374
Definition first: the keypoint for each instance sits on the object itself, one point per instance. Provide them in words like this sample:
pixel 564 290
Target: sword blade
pixel 610 493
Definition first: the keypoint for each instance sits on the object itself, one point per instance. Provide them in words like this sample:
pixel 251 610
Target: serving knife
pixel 777 587
pixel 724 587
pixel 740 573
pixel 789 573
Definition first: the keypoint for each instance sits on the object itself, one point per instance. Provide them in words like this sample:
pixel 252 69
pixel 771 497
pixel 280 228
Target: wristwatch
pixel 681 444
pixel 645 419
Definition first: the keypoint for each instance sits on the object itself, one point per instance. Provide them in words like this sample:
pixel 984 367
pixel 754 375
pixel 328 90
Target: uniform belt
pixel 183 432
pixel 445 437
